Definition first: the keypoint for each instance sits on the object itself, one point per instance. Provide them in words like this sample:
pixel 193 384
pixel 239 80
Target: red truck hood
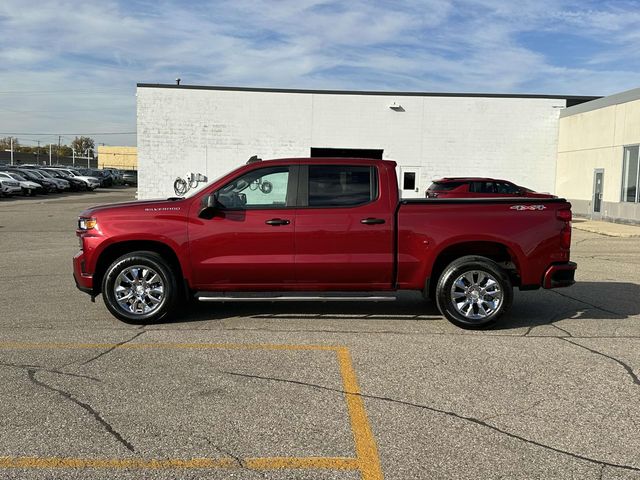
pixel 173 206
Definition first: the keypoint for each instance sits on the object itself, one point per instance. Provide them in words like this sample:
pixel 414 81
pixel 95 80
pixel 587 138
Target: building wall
pixel 125 158
pixel 214 131
pixel 596 139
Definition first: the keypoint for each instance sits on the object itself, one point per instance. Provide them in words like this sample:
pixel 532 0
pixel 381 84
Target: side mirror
pixel 209 206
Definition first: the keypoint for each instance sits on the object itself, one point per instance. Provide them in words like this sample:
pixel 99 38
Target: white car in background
pixel 92 182
pixel 8 186
pixel 26 186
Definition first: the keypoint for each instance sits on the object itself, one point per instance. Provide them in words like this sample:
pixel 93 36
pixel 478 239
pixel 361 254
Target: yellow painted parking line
pixel 367 460
pixel 320 463
pixel 366 449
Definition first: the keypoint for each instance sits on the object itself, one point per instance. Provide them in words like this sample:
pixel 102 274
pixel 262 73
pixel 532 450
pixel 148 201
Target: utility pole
pixel 73 150
pixel 49 154
pixel 58 151
pixel 38 153
pixel 11 150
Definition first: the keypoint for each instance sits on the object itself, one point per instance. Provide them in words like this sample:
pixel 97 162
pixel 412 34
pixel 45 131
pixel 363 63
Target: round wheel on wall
pixel 140 288
pixel 473 292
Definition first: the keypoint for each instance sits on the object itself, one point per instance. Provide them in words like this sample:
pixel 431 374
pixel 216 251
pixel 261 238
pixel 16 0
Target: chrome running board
pixel 294 297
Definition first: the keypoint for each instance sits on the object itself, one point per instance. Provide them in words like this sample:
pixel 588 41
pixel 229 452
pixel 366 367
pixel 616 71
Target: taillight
pixel 565 234
pixel 564 215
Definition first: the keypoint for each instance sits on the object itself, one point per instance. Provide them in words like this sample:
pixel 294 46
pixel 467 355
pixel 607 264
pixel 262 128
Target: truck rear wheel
pixel 474 292
pixel 140 288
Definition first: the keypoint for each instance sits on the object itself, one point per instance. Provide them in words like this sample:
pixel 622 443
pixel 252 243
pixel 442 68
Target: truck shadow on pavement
pixel 583 301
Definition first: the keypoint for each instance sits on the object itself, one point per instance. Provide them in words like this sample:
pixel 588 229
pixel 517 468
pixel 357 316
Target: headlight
pixel 87 223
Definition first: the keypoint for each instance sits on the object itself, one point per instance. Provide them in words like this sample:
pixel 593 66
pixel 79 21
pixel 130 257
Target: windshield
pixel 45 174
pixel 37 174
pixel 15 176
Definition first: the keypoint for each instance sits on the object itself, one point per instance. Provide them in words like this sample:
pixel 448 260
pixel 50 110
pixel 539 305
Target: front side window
pixel 341 185
pixel 630 174
pixel 261 188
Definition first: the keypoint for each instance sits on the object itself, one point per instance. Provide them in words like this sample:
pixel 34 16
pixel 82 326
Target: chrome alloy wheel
pixel 139 290
pixel 476 294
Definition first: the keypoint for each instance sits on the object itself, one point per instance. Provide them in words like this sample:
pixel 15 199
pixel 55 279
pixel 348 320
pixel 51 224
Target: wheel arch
pixel 497 251
pixel 116 250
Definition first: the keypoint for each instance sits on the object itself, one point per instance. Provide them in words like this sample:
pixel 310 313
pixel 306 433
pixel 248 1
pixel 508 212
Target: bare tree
pixel 82 144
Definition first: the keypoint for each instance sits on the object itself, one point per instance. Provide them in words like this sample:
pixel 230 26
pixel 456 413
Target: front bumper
pixel 84 281
pixel 560 275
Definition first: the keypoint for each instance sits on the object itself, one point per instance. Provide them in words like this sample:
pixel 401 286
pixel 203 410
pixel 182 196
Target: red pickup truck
pixel 321 229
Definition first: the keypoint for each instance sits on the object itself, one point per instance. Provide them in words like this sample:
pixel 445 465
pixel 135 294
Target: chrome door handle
pixel 372 221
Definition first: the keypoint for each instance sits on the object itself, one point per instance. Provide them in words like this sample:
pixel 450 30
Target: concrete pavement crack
pixel 551 322
pixel 517 412
pixel 111 349
pixel 32 377
pixel 230 454
pixel 458 416
pixel 628 368
pixel 49 370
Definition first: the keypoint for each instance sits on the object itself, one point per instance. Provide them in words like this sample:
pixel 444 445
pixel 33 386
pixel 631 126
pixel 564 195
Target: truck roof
pixel 337 160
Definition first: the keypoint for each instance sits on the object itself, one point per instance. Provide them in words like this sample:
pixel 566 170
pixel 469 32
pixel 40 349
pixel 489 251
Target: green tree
pixel 64 151
pixel 82 144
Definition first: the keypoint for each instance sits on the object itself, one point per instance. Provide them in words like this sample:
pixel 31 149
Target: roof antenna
pixel 254 159
pixel 178 81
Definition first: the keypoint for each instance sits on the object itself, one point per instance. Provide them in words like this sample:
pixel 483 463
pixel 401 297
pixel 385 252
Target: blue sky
pixel 70 67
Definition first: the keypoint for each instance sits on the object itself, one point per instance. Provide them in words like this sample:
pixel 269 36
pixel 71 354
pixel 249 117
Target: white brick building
pixel 211 130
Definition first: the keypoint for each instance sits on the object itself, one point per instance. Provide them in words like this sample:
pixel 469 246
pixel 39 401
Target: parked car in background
pixel 77 185
pixel 9 186
pixel 105 178
pixel 27 186
pixel 91 182
pixel 116 175
pixel 130 177
pixel 48 185
pixel 475 187
pixel 61 184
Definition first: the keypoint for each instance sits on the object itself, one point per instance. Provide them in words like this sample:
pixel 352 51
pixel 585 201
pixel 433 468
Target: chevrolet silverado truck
pixel 321 229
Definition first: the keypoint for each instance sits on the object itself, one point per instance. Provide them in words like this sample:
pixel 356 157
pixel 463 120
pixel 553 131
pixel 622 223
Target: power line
pixel 69 92
pixel 64 134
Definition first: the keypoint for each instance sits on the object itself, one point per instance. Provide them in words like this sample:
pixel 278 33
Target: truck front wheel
pixel 140 288
pixel 473 292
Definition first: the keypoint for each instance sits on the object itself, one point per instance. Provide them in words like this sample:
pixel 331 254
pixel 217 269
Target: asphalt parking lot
pixel 302 391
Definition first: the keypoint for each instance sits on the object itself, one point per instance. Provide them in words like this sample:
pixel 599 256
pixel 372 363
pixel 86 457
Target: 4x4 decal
pixel 528 207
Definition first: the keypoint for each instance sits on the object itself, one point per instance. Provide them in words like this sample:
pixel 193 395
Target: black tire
pixel 153 263
pixel 474 294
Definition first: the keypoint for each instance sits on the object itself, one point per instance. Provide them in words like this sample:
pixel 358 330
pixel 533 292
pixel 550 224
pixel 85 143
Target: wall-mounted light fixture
pixel 396 107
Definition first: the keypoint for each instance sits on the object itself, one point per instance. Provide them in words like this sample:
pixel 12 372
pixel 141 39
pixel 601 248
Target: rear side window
pixel 483 187
pixel 341 185
pixel 443 187
pixel 507 188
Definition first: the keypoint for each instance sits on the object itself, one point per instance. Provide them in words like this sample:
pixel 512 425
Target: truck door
pixel 344 228
pixel 247 244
